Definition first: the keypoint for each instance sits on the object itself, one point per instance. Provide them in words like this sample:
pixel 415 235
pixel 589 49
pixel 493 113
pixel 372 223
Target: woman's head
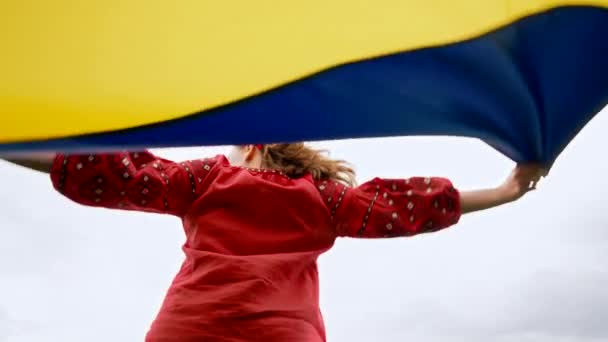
pixel 295 160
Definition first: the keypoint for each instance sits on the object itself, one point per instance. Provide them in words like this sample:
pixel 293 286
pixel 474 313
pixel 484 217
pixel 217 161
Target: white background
pixel 531 271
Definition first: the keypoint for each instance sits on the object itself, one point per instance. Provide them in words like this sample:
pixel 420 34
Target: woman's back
pixel 253 238
pixel 256 212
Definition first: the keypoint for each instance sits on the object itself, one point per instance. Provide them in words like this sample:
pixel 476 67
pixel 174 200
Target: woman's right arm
pixel 406 207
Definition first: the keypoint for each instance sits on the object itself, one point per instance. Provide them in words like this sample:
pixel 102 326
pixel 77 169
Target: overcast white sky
pixel 532 271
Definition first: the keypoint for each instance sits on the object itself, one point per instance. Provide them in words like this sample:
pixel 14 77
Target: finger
pixel 532 169
pixel 528 172
pixel 541 173
pixel 544 172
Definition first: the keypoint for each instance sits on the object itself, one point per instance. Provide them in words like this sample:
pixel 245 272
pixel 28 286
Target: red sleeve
pixel 391 207
pixel 130 181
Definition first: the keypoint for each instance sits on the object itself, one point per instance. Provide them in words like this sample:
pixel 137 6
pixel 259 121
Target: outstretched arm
pixel 520 181
pixel 37 162
pixel 129 181
pixel 406 207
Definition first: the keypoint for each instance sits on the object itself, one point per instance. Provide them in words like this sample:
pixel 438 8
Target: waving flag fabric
pixel 523 76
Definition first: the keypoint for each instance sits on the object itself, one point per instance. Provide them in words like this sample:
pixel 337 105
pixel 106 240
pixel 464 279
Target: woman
pixel 256 222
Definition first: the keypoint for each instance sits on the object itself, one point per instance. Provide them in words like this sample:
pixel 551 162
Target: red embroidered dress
pixel 252 236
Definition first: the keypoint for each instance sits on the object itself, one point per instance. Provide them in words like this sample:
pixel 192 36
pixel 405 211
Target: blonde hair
pixel 297 159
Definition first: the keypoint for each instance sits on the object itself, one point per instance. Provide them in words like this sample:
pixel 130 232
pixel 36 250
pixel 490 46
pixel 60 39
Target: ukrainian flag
pixel 523 75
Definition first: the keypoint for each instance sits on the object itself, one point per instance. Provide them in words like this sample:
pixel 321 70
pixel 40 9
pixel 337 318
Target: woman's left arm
pixel 131 181
pixel 37 162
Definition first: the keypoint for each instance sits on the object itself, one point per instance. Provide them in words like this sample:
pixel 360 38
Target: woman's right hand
pixel 522 179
